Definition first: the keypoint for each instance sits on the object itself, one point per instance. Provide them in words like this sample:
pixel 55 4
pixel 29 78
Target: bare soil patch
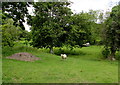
pixel 23 56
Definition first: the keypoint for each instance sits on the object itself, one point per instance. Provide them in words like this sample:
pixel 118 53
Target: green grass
pixel 83 65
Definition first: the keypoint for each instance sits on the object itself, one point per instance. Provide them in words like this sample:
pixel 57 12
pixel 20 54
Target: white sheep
pixel 64 56
pixel 86 44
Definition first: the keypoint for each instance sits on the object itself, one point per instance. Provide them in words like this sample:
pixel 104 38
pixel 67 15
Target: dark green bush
pixel 105 52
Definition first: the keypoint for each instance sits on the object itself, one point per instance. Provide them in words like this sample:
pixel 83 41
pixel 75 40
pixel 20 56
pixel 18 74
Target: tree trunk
pixel 112 55
pixel 51 50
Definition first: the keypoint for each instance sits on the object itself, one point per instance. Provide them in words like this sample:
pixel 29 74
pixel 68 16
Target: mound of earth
pixel 23 57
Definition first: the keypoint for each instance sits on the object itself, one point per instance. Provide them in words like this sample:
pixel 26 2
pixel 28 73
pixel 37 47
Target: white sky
pixel 86 5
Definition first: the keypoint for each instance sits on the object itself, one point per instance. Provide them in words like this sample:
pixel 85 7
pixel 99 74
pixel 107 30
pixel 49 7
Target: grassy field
pixel 83 65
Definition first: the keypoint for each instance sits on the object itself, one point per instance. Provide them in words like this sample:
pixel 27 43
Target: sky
pixel 85 5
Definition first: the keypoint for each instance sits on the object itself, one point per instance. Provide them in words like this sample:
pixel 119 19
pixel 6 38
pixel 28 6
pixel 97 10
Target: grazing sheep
pixel 113 59
pixel 64 56
pixel 86 44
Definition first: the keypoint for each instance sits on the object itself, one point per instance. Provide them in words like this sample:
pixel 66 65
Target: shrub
pixel 105 52
pixel 117 55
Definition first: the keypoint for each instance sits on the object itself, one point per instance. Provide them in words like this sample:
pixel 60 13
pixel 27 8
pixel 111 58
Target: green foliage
pixel 96 31
pixel 96 26
pixel 105 52
pixel 48 23
pixel 10 33
pixel 1 15
pixel 54 26
pixel 17 11
pixel 81 28
pixel 25 34
pixel 111 36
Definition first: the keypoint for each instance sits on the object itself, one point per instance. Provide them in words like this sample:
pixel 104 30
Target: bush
pixel 117 55
pixel 105 52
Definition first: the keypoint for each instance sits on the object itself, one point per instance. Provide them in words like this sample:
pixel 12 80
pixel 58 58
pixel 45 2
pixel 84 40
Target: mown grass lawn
pixel 83 65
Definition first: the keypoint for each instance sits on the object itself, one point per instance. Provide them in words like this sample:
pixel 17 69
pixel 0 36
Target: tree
pixel 10 33
pixel 48 24
pixel 96 26
pixel 84 28
pixel 17 11
pixel 54 25
pixel 0 28
pixel 112 32
pixel 78 30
